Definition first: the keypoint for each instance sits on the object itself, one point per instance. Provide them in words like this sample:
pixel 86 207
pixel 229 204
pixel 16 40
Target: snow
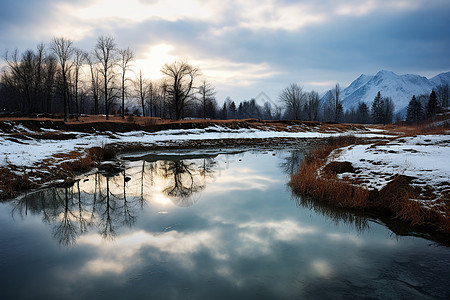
pixel 30 152
pixel 424 157
pixel 400 88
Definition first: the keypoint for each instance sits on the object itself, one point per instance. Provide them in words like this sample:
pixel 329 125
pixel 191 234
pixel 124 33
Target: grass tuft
pixel 11 184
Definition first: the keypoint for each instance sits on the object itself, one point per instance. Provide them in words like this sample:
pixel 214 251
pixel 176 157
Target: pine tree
pixel 414 111
pixel 232 109
pixel 377 109
pixel 362 114
pixel 224 111
pixel 388 110
pixel 432 105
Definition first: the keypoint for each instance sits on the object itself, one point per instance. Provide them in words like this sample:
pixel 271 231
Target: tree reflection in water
pixel 182 183
pixel 335 214
pixel 107 202
pixel 291 163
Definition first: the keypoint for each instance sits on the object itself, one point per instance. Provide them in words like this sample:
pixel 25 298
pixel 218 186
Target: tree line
pixel 60 78
pixel 301 105
pixel 425 107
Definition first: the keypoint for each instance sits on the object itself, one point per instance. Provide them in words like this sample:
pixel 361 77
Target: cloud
pixel 135 11
pixel 249 46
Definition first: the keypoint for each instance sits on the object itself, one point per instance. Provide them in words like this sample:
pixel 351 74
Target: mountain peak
pixel 400 88
pixel 385 73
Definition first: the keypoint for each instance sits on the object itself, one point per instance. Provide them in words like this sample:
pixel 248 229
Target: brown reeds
pixel 314 180
pixel 396 198
pixel 309 180
pixel 11 183
pixel 101 153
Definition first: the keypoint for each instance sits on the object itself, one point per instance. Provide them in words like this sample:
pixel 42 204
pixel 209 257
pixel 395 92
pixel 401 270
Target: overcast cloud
pixel 246 47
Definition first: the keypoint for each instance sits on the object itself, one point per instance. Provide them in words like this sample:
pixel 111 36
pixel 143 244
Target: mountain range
pixel 400 88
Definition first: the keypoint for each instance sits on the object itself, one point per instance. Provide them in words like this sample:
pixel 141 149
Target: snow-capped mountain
pixel 399 87
pixel 441 79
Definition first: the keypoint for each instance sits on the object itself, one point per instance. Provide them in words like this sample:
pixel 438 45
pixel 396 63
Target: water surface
pixel 216 226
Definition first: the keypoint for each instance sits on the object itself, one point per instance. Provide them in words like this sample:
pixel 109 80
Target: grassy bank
pixel 63 166
pixel 317 177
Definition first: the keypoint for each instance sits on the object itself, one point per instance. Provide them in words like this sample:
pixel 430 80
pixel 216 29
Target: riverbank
pixel 406 177
pixel 36 152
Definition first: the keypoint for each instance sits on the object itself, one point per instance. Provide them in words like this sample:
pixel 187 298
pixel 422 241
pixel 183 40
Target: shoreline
pixel 369 177
pixel 36 152
pixel 56 157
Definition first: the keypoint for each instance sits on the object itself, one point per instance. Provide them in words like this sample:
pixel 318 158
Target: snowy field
pixel 29 152
pixel 424 157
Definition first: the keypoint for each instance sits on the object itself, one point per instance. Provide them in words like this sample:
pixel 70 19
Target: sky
pixel 248 47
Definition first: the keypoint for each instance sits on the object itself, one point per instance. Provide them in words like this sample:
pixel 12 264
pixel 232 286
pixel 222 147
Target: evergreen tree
pixel 233 109
pixel 224 111
pixel 432 105
pixel 388 110
pixel 414 111
pixel 240 110
pixel 377 109
pixel 362 113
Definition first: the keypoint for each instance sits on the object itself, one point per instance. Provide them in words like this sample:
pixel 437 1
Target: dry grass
pixel 101 153
pixel 325 188
pixel 317 180
pixel 413 130
pixel 11 184
pixel 61 165
pixel 78 162
pixel 322 184
pixel 151 122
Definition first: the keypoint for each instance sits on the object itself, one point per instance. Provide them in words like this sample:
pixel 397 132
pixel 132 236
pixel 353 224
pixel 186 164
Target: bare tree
pixel 152 92
pixel 95 82
pixel 126 57
pixel 28 80
pixel 294 98
pixel 142 92
pixel 105 51
pixel 38 70
pixel 63 50
pixel 312 106
pixel 180 77
pixel 50 68
pixel 19 78
pixel 162 91
pixel 334 103
pixel 207 96
pixel 443 94
pixel 79 58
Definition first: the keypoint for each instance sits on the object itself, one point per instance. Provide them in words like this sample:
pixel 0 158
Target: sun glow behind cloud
pixel 246 46
pixel 156 57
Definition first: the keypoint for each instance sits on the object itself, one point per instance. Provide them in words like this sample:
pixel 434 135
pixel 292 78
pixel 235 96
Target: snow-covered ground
pixel 424 157
pixel 31 151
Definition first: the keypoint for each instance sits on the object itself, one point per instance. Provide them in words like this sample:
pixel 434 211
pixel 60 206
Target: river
pixel 206 225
